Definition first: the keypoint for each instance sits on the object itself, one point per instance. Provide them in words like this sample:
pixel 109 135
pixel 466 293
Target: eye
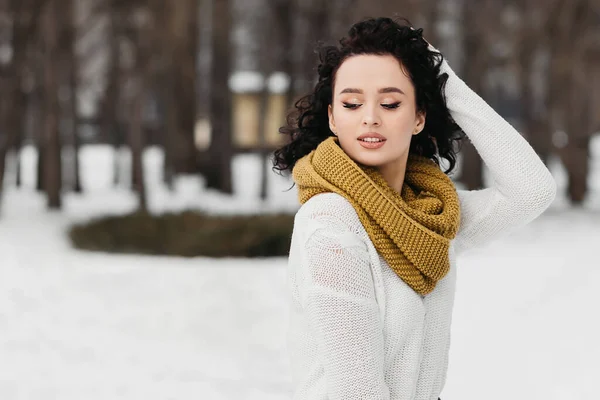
pixel 391 106
pixel 351 106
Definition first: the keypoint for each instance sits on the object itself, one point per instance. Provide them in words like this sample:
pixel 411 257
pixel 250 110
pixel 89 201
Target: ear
pixel 419 122
pixel 331 120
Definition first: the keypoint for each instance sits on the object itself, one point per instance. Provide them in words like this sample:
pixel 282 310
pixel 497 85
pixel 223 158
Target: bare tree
pixel 569 31
pixel 183 53
pixel 52 142
pixel 220 152
pixel 310 27
pixel 110 121
pixel 23 16
pixel 143 37
pixel 136 138
pixel 266 69
pixel 281 23
pixel 529 43
pixel 274 54
pixel 481 25
pixel 68 43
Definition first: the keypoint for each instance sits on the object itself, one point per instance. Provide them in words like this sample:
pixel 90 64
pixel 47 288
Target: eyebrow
pixel 390 89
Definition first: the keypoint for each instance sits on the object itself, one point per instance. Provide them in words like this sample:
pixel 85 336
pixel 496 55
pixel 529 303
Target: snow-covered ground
pixel 77 325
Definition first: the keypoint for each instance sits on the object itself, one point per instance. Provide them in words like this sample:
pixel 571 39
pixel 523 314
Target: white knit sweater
pixel 357 331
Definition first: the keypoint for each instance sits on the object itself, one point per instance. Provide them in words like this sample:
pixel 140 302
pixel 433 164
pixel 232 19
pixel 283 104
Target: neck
pixel 394 173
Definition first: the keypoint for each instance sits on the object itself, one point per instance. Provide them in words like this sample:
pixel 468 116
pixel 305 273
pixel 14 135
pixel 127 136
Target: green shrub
pixel 187 234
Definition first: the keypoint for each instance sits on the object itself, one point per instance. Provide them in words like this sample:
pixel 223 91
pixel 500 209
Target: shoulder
pixel 328 206
pixel 330 214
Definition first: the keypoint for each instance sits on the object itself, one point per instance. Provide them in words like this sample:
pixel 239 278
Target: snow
pixel 79 325
pixel 246 81
pixel 279 82
pixel 253 82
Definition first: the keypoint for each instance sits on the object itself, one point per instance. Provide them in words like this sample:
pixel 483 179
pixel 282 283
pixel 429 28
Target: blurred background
pixel 143 234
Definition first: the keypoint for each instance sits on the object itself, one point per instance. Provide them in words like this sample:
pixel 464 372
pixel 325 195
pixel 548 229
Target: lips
pixel 372 140
pixel 372 137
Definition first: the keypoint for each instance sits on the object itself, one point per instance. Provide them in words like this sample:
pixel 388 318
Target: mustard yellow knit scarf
pixel 410 230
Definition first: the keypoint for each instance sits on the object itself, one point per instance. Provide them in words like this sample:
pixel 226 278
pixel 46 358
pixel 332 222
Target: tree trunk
pixel 73 86
pixel 170 127
pixel 287 62
pixel 579 118
pixel 540 137
pixel 17 126
pixel 220 151
pixel 41 156
pixel 144 40
pixel 474 73
pixel 184 49
pixel 567 81
pixel 24 15
pixel 4 137
pixel 110 103
pixel 3 146
pixel 534 115
pixel 576 159
pixel 310 27
pixel 36 115
pixel 472 164
pixel 52 146
pixel 136 137
pixel 262 142
pixel 18 171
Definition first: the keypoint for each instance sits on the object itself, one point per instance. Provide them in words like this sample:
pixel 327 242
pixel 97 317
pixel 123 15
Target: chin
pixel 369 158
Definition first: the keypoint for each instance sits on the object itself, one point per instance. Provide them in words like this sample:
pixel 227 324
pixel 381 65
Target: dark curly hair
pixel 308 124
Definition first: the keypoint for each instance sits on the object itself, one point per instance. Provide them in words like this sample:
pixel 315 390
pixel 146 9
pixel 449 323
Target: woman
pixel 372 262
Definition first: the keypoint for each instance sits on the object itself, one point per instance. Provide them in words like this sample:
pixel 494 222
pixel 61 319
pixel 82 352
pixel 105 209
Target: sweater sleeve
pixel 523 187
pixel 342 310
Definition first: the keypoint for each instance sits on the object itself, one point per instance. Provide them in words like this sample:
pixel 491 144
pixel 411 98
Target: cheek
pixel 403 122
pixel 344 118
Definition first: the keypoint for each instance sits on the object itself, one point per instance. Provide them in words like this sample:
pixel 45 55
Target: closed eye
pixel 353 106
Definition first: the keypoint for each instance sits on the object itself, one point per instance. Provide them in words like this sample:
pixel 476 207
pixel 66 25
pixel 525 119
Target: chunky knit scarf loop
pixel 411 230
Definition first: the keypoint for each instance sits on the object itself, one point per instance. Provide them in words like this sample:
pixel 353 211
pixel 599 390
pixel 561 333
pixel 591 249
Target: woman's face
pixel 373 111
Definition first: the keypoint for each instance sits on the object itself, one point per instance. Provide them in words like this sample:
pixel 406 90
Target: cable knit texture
pixel 410 230
pixel 357 331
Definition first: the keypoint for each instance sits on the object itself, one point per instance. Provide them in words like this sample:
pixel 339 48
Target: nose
pixel 371 117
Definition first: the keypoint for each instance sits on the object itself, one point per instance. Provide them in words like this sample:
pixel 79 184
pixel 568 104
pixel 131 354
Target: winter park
pixel 145 236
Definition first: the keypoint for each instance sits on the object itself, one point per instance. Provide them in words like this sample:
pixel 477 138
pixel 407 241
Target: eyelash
pixel 391 106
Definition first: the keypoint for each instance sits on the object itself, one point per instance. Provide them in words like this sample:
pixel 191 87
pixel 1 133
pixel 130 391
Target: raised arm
pixel 523 187
pixel 341 307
